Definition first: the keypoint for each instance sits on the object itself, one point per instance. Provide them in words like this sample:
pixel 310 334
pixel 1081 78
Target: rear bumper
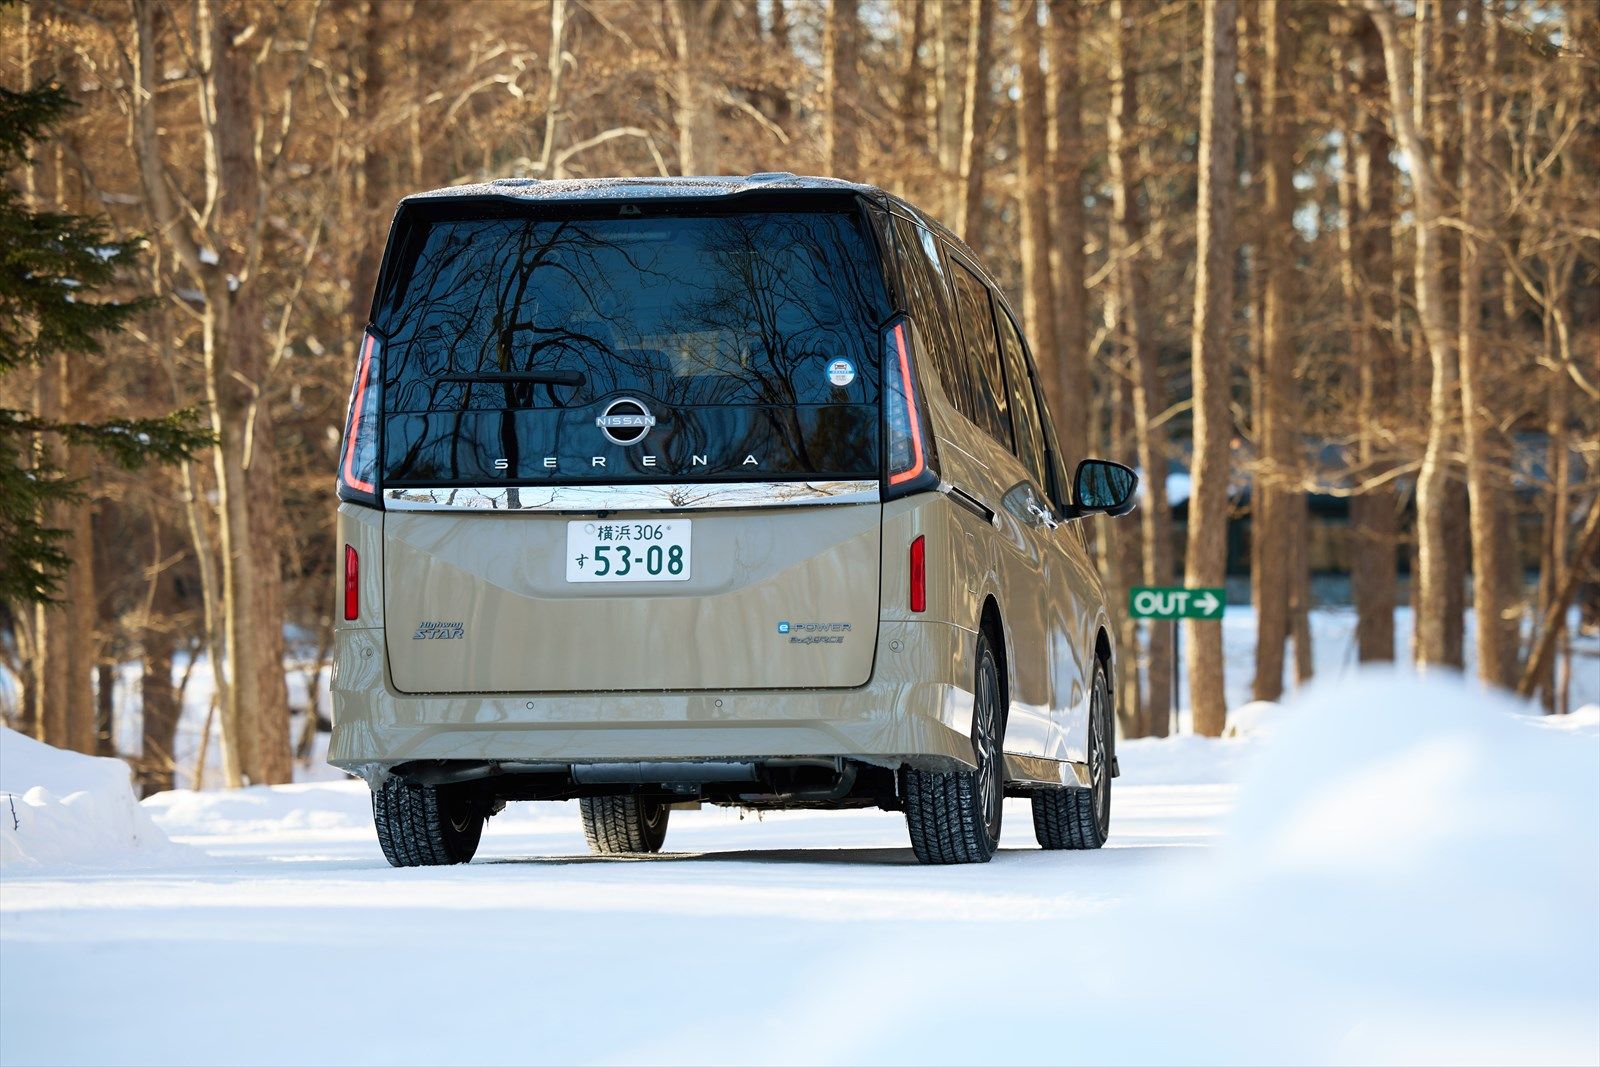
pixel 916 710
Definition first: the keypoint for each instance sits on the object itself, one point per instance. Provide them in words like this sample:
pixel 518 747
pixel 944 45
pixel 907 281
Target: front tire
pixel 427 825
pixel 616 826
pixel 954 816
pixel 1075 817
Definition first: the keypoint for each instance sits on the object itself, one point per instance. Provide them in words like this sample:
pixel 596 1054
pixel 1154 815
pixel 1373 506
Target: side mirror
pixel 1101 486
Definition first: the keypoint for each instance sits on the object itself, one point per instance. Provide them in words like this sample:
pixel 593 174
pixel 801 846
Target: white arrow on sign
pixel 1207 603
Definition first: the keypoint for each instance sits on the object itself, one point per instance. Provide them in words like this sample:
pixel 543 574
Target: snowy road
pixel 1366 880
pixel 299 942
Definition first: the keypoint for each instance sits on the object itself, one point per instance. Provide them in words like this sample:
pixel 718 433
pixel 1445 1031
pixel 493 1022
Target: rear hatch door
pixel 631 452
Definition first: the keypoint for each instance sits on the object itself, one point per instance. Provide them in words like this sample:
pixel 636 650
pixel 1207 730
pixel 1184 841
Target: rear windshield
pixel 740 347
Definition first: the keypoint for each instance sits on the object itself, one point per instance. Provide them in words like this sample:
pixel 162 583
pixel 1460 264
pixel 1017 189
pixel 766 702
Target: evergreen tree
pixel 50 264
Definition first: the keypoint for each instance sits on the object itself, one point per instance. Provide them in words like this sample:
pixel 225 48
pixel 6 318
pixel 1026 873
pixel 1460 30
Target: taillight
pixel 901 413
pixel 352 584
pixel 919 574
pixel 358 465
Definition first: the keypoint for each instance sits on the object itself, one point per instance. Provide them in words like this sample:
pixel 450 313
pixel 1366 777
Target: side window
pixel 1061 491
pixel 1024 409
pixel 983 354
pixel 928 300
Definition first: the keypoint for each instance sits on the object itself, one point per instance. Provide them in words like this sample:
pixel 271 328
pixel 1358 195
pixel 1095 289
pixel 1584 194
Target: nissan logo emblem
pixel 625 421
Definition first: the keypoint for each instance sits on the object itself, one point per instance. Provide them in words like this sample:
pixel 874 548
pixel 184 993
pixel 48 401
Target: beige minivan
pixel 657 492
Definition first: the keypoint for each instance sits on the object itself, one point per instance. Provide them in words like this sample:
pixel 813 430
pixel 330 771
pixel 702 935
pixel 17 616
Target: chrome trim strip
pixel 584 499
pixel 968 501
pixel 1037 770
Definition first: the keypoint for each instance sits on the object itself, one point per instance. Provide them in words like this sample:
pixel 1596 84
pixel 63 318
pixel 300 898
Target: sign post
pixel 1176 602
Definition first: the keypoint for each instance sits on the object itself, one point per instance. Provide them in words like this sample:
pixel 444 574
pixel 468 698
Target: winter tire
pixel 620 825
pixel 1078 817
pixel 954 816
pixel 426 825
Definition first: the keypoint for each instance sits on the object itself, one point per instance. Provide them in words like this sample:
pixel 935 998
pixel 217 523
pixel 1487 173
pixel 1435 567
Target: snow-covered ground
pixel 1385 869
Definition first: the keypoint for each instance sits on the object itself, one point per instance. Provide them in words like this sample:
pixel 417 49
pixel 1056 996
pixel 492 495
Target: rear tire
pixel 616 826
pixel 954 816
pixel 1075 817
pixel 426 825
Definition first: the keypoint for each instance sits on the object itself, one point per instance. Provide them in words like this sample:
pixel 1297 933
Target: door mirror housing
pixel 1101 487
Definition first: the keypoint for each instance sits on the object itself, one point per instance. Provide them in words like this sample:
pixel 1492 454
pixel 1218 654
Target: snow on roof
pixel 707 187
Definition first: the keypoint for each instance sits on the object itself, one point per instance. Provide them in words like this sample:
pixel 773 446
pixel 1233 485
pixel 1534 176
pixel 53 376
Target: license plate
pixel 600 551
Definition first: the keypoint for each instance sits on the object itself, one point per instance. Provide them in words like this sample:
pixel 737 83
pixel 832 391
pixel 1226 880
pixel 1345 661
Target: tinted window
pixel 1024 410
pixel 1061 481
pixel 928 300
pixel 751 339
pixel 983 354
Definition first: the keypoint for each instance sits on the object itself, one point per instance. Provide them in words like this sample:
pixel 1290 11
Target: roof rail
pixel 515 181
pixel 769 176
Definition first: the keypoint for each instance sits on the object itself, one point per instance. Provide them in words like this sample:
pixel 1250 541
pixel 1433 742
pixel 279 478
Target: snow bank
pixel 1412 874
pixel 1256 717
pixel 62 808
pixel 1183 759
pixel 265 811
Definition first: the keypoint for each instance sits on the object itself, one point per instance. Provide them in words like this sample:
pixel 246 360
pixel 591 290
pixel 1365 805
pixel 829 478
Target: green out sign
pixel 1176 602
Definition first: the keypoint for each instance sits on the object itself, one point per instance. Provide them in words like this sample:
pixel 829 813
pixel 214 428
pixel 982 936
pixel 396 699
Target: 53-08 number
pixel 599 551
pixel 623 559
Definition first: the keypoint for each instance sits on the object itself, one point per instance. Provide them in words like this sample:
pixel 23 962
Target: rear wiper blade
pixel 574 378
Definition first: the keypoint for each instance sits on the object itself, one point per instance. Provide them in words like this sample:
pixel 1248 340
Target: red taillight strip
pixel 350 477
pixel 913 416
pixel 919 574
pixel 352 584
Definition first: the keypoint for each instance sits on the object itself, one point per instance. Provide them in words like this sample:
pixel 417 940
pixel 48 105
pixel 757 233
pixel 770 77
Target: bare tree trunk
pixel 52 655
pixel 215 609
pixel 1300 593
pixel 1213 309
pixel 694 109
pixel 426 53
pixel 247 465
pixel 780 104
pixel 372 71
pixel 555 67
pixel 1552 626
pixel 308 730
pixel 839 79
pixel 947 105
pixel 1440 124
pixel 21 716
pixel 105 691
pixel 62 709
pixel 83 711
pixel 1408 90
pixel 1038 289
pixel 159 715
pixel 1273 527
pixel 1119 566
pixel 1375 508
pixel 1069 388
pixel 1492 597
pixel 911 84
pixel 975 124
pixel 255 706
pixel 1149 391
pixel 1555 571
